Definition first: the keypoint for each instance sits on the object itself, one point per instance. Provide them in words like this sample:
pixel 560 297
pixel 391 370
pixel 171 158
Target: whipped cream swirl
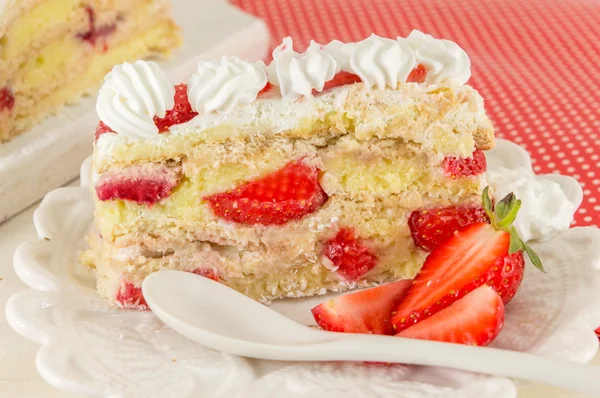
pixel 545 208
pixel 131 96
pixel 342 52
pixel 220 86
pixel 444 60
pixel 382 62
pixel 299 74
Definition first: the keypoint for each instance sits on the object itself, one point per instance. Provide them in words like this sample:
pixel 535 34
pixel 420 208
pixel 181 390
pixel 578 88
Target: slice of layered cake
pixel 325 170
pixel 52 52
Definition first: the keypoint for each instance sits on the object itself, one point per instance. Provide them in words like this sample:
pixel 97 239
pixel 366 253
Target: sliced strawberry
pixel 476 319
pixel 366 311
pixel 463 258
pixel 417 75
pixel 504 276
pixel 431 227
pixel 340 79
pixel 469 258
pixel 459 167
pixel 141 184
pixel 131 297
pixel 182 110
pixel 285 195
pixel 350 257
pixel 7 99
pixel 102 129
pixel 139 191
pixel 208 273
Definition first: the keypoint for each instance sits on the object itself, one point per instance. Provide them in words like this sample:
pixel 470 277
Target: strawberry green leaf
pixel 487 202
pixel 511 215
pixel 533 257
pixel 516 243
pixel 504 205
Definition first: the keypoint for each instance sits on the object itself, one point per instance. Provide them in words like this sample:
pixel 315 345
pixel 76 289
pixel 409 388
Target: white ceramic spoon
pixel 223 319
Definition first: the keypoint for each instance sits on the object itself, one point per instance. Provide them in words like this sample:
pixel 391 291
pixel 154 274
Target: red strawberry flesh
pixel 143 184
pixel 96 32
pixel 351 258
pixel 277 198
pixel 417 75
pixel 506 275
pixel 182 110
pixel 463 258
pixel 340 79
pixel 265 89
pixel 208 273
pixel 102 129
pixel 365 311
pixel 130 296
pixel 476 319
pixel 7 99
pixel 431 227
pixel 459 167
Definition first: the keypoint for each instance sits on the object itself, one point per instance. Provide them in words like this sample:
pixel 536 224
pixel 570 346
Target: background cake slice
pixel 320 172
pixel 53 52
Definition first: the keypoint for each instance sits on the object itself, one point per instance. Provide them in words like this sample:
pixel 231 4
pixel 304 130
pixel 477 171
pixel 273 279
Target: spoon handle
pixel 491 361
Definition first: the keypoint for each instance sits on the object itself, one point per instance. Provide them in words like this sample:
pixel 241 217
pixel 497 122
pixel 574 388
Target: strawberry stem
pixel 502 217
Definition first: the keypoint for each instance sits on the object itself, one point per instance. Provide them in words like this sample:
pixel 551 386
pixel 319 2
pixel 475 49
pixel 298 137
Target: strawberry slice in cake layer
pixel 338 167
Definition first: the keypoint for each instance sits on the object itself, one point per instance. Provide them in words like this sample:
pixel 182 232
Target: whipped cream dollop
pixel 341 52
pixel 382 62
pixel 297 75
pixel 444 60
pixel 220 86
pixel 545 208
pixel 132 94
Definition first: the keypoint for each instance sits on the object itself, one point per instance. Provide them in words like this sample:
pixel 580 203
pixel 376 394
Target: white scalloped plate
pixel 91 348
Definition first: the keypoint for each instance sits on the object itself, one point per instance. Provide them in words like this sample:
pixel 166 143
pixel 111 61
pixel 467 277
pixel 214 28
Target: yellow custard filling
pixel 34 24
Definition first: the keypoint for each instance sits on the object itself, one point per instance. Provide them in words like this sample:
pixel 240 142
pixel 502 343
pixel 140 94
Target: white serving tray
pixel 49 155
pixel 91 348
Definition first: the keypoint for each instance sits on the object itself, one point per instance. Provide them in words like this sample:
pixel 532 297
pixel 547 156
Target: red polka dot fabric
pixel 534 61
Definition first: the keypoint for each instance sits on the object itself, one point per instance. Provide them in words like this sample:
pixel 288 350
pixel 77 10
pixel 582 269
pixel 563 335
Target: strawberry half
pixel 131 297
pixel 340 79
pixel 431 227
pixel 417 75
pixel 102 128
pixel 462 263
pixel 182 110
pixel 476 319
pixel 287 194
pixel 465 167
pixel 265 89
pixel 143 184
pixel 365 311
pixel 350 257
pixel 207 273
